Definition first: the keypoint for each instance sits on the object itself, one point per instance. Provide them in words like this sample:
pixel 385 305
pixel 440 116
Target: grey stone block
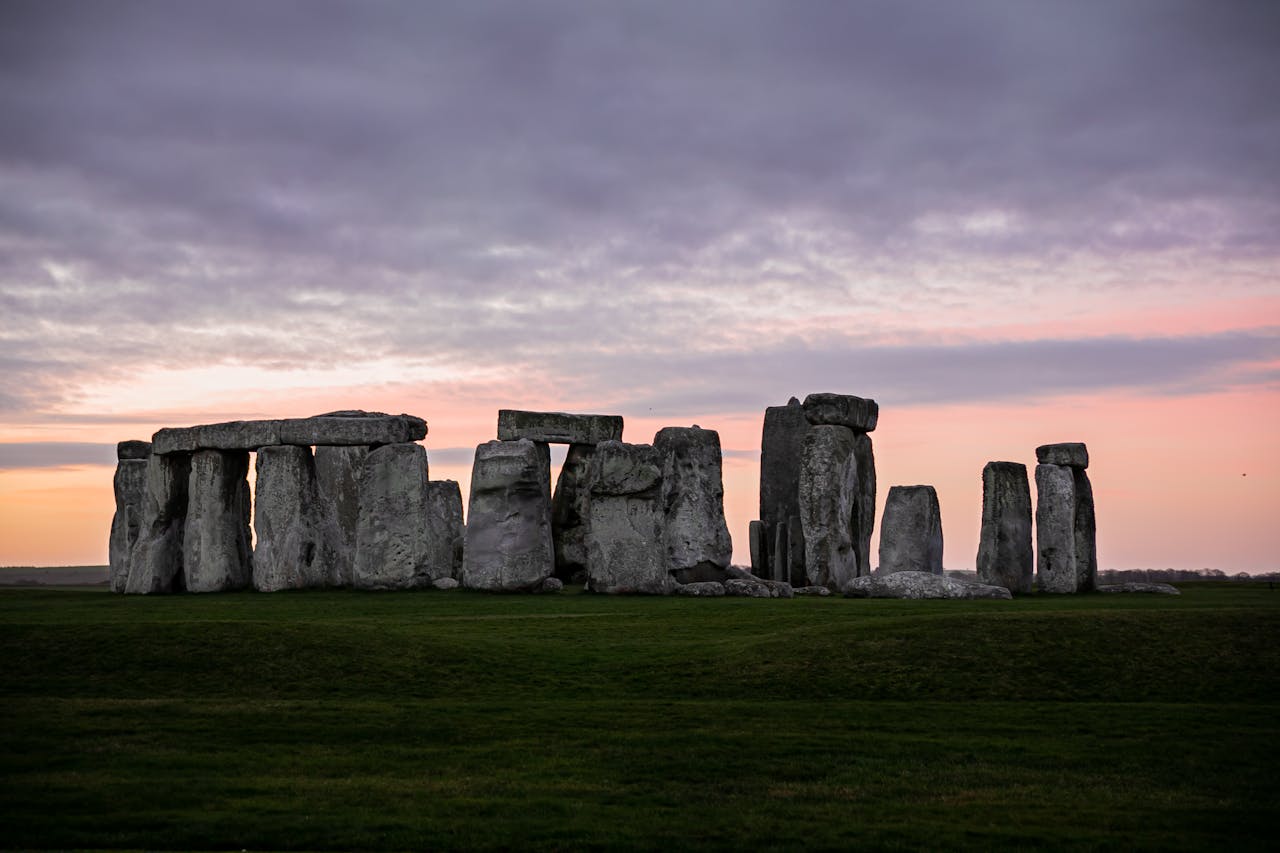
pixel 558 427
pixel 856 413
pixel 911 532
pixel 1005 554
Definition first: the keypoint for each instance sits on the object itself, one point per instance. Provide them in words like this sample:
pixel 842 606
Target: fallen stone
pixel 351 427
pixel 445 583
pixel 919 585
pixel 508 535
pixel 338 472
pixel 1140 587
pixel 551 585
pixel 293 550
pixel 130 486
pixel 828 500
pixel 1055 529
pixel 570 511
pixel 739 573
pixel 133 450
pixel 625 544
pixel 856 413
pixel 865 502
pixel 155 564
pixel 779 589
pixel 446 535
pixel 911 532
pixel 781 450
pixel 701 589
pixel 558 427
pixel 1085 532
pixel 696 536
pixel 1005 554
pixel 399 544
pixel 747 588
pixel 217 549
pixel 811 590
pixel 1073 454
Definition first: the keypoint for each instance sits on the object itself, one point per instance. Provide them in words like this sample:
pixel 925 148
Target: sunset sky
pixel 1011 223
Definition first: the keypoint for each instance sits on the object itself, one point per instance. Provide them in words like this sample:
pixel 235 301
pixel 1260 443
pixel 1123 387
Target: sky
pixel 1010 223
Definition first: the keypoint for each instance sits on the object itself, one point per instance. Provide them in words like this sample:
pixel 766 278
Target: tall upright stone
pixel 445 529
pixel 155 564
pixel 780 565
pixel 1085 533
pixel 398 543
pixel 911 532
pixel 865 503
pixel 1056 529
pixel 698 546
pixel 1005 554
pixel 781 448
pixel 217 550
pixel 625 548
pixel 828 504
pixel 293 550
pixel 130 487
pixel 508 536
pixel 570 511
pixel 339 469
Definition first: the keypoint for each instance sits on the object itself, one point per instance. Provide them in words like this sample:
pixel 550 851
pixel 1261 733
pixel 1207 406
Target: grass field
pixel 336 720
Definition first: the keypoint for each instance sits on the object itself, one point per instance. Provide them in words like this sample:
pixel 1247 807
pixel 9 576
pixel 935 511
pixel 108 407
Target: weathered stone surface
pixel 911 532
pixel 780 565
pixel 756 542
pixel 828 500
pixel 738 588
pixel 570 513
pixel 293 551
pixel 130 490
pixel 779 589
pixel 133 450
pixel 1086 533
pixel 349 427
pixel 1073 454
pixel 919 585
pixel 701 589
pixel 1005 554
pixel 739 573
pixel 856 413
pixel 217 550
pixel 551 585
pixel 781 449
pixel 865 503
pixel 399 545
pixel 1055 529
pixel 508 536
pixel 697 540
pixel 338 472
pixel 445 531
pixel 445 583
pixel 811 590
pixel 558 427
pixel 155 564
pixel 1140 587
pixel 625 544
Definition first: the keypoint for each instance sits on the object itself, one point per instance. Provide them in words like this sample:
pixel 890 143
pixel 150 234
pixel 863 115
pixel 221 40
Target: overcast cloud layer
pixel 652 200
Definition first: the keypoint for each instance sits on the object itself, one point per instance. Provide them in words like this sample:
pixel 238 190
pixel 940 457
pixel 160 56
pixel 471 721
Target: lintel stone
pixel 1072 454
pixel 333 428
pixel 558 427
pixel 856 413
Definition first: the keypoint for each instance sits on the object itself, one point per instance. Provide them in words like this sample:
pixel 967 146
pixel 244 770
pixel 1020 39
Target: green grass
pixel 333 720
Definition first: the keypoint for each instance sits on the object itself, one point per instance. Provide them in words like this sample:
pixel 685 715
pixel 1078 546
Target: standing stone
pixel 570 511
pixel 795 553
pixel 756 542
pixel 293 551
pixel 398 544
pixel 155 565
pixel 625 545
pixel 828 505
pixel 781 449
pixel 865 505
pixel 1056 529
pixel 130 486
pixel 445 529
pixel 217 551
pixel 1005 555
pixel 697 538
pixel 1085 533
pixel 780 565
pixel 338 472
pixel 911 532
pixel 508 536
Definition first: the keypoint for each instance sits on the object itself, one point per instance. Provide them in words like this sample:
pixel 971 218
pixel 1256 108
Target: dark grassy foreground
pixel 428 720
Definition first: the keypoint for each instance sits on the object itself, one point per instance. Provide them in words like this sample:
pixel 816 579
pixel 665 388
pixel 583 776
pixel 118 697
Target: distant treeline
pixel 1178 575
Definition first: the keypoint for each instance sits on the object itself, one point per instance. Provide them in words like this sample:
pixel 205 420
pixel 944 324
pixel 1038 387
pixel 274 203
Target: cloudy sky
pixel 1009 222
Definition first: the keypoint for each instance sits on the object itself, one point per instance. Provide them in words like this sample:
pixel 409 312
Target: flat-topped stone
pixel 1072 454
pixel 846 410
pixel 920 585
pixel 133 450
pixel 334 428
pixel 558 427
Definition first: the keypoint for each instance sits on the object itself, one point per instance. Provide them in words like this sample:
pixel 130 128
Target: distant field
pixel 339 720
pixel 53 575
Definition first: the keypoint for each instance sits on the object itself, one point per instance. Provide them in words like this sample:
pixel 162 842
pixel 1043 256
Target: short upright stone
pixel 130 486
pixel 217 549
pixel 292 551
pixel 338 472
pixel 697 538
pixel 781 449
pixel 911 531
pixel 828 501
pixel 625 545
pixel 1005 554
pixel 397 544
pixel 155 564
pixel 570 511
pixel 1056 529
pixel 508 537
pixel 444 526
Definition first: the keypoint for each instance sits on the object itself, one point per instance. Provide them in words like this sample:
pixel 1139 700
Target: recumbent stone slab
pixel 911 532
pixel 856 413
pixel 920 585
pixel 558 427
pixel 1005 554
pixel 625 543
pixel 508 536
pixel 697 540
pixel 217 554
